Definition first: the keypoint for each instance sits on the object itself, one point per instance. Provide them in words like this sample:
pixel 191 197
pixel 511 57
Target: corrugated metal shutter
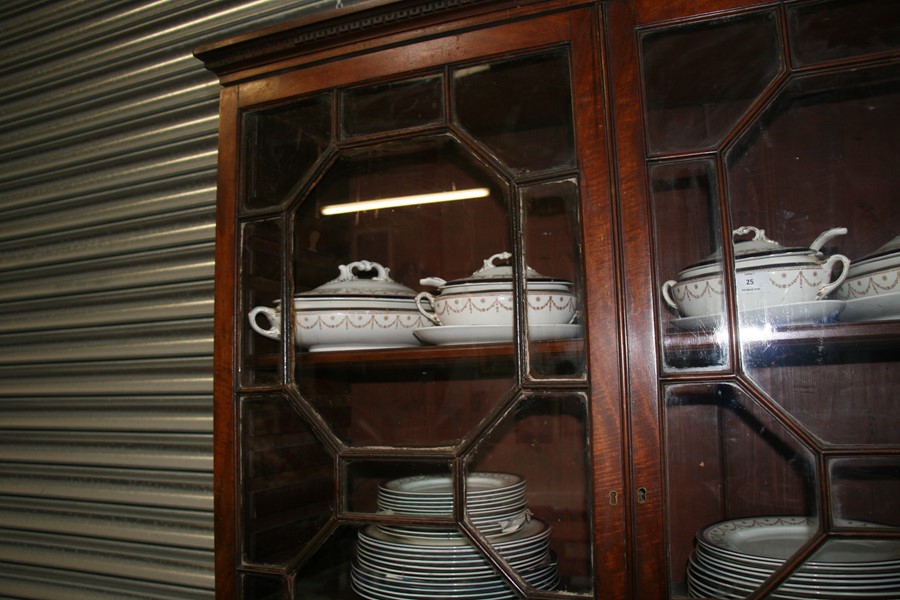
pixel 107 191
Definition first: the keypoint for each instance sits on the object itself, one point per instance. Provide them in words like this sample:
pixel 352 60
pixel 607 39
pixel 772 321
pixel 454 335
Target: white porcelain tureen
pixel 350 312
pixel 766 275
pixel 486 297
pixel 875 274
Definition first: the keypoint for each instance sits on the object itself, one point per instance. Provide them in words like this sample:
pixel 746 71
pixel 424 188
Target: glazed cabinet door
pixel 773 137
pixel 418 391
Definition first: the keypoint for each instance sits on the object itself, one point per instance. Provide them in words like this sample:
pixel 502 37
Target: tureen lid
pixel 758 245
pixel 347 284
pixel 760 250
pixel 490 273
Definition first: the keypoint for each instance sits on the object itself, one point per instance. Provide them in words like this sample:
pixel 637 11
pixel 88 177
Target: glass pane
pixel 281 145
pixel 390 250
pixel 823 157
pixel 553 249
pixel 731 467
pixel 843 29
pixel 700 79
pixel 389 487
pixel 686 225
pixel 287 480
pixel 544 441
pixel 392 106
pixel 864 489
pixel 520 109
pixel 261 328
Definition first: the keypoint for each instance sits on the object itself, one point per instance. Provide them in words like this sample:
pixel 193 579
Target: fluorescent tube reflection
pixel 338 209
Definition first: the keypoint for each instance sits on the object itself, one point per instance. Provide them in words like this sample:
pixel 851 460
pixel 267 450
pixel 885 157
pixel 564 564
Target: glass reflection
pixel 439 401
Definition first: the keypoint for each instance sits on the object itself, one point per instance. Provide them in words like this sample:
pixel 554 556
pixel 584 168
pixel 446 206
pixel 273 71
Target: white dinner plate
pixel 883 307
pixel 726 584
pixel 714 563
pixel 746 581
pixel 455 335
pixel 477 484
pixel 373 536
pixel 771 540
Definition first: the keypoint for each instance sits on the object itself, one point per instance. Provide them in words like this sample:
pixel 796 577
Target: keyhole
pixel 613 498
pixel 642 495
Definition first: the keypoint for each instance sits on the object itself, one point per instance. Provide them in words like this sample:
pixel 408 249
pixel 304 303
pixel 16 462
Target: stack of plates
pixel 495 502
pixel 733 558
pixel 399 562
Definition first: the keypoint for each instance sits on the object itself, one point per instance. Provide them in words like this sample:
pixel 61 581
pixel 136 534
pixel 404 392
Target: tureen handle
pixel 825 236
pixel 273 331
pixel 346 271
pixel 667 293
pixel 759 235
pixel 489 263
pixel 431 316
pixel 829 267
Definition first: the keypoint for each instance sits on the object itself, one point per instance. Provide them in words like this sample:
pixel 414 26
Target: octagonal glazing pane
pixel 733 469
pixel 815 309
pixel 368 283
